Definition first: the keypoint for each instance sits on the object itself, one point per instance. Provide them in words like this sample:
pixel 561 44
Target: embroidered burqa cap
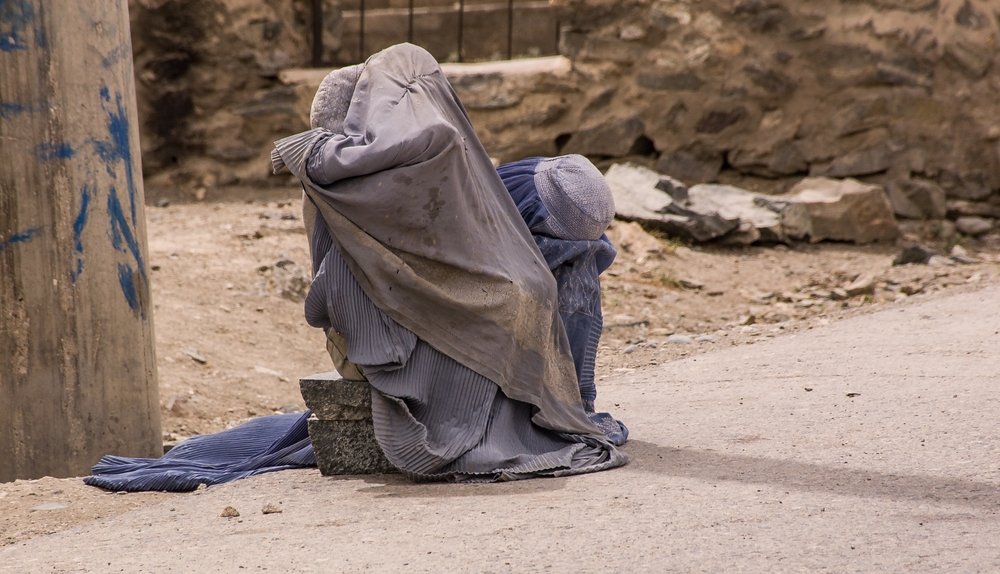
pixel 431 235
pixel 577 197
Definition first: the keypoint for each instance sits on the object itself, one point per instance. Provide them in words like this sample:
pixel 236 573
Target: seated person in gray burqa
pixel 466 295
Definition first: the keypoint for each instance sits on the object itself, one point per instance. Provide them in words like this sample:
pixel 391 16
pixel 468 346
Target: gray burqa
pixel 421 224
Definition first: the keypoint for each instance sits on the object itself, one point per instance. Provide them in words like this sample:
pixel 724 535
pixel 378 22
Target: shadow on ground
pixel 396 486
pixel 862 483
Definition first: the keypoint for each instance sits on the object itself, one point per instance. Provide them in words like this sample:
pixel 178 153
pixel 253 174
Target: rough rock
pixel 820 208
pixel 959 208
pixel 863 285
pixel 959 255
pixel 914 254
pixel 638 199
pixel 608 139
pixel 817 209
pixel 333 398
pixel 271 508
pixel 971 59
pixel 195 356
pixel 696 163
pixel 917 199
pixel 974 185
pixel 868 161
pixel 631 238
pixel 718 120
pixel 347 447
pixel 341 428
pixel 974 226
pixel 636 187
pixel 670 81
pixel 771 160
pixel 735 203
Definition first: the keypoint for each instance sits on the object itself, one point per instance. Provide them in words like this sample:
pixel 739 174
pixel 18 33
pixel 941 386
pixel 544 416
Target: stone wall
pixel 764 92
pixel 209 97
pixel 902 89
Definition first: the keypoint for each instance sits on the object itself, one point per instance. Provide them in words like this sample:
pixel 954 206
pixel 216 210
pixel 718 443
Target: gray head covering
pixel 576 195
pixel 329 107
pixel 329 110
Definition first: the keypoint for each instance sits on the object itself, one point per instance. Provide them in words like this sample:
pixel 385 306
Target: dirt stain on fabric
pixel 435 203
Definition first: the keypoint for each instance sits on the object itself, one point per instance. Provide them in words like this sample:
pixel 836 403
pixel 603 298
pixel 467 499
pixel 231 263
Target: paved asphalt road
pixel 867 445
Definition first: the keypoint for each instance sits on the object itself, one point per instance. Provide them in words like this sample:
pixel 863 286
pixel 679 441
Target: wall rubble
pixel 899 92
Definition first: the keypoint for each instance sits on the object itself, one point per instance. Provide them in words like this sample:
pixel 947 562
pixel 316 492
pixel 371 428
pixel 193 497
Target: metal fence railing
pixel 459 14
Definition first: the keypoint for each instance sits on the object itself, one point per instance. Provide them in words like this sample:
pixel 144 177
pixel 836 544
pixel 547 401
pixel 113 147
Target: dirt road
pixel 869 444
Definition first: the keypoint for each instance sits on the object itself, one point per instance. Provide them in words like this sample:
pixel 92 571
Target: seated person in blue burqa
pixel 467 295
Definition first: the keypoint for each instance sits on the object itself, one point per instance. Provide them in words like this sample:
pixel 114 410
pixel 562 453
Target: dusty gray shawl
pixel 432 236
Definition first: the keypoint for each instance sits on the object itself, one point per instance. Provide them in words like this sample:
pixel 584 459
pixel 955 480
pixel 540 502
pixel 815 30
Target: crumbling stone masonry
pixel 896 92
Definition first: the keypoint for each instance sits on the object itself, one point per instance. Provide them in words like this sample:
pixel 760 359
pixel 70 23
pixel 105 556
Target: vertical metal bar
pixel 461 26
pixel 409 37
pixel 361 32
pixel 557 35
pixel 510 29
pixel 317 33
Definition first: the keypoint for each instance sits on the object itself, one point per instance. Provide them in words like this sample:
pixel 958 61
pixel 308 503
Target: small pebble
pixel 229 512
pixel 49 506
pixel 706 339
pixel 679 340
pixel 270 508
pixel 195 356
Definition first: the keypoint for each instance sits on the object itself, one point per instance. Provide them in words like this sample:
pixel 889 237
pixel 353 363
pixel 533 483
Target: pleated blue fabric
pixel 263 444
pixel 576 265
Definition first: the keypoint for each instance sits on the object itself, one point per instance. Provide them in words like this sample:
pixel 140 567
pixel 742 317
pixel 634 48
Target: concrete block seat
pixel 341 425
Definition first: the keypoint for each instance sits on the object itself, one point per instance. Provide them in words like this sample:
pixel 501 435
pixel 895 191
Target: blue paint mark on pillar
pixel 122 231
pixel 54 151
pixel 16 16
pixel 123 239
pixel 115 56
pixel 126 278
pixel 11 109
pixel 20 237
pixel 79 224
pixel 118 147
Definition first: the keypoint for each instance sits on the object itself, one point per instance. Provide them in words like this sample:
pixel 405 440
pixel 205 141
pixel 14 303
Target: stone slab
pixel 347 447
pixel 637 198
pixel 820 208
pixel 333 398
pixel 735 203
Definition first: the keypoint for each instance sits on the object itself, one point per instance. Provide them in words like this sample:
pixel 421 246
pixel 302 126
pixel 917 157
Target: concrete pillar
pixel 77 364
